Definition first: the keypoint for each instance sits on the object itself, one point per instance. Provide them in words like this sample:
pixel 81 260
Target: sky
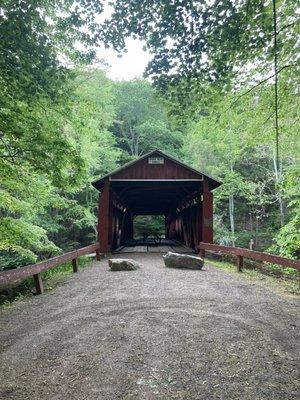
pixel 131 65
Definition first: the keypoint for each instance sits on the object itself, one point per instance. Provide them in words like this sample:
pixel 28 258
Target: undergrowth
pixel 51 278
pixel 289 283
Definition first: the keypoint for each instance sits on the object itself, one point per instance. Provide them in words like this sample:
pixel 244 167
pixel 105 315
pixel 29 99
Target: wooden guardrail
pixel 35 270
pixel 241 253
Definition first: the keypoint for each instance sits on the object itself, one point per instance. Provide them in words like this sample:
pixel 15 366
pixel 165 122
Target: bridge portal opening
pixel 149 229
pixel 155 185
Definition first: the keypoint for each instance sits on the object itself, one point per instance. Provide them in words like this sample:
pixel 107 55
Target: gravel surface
pixel 154 333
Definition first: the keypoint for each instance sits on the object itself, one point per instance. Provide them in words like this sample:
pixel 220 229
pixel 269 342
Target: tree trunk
pixel 277 160
pixel 231 216
pixel 278 179
pixel 256 233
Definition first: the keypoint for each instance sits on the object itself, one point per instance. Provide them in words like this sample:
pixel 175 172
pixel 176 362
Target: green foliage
pixel 141 123
pixel 235 144
pixel 194 41
pixel 51 278
pixel 63 124
pixel 287 240
pixel 35 86
pixel 41 167
pixel 47 202
pixel 222 234
pixel 146 226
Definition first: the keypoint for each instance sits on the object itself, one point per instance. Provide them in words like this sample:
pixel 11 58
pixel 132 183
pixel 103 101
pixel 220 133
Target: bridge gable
pixel 156 166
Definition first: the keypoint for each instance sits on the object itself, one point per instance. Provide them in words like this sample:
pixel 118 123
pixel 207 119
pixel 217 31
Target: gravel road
pixel 155 333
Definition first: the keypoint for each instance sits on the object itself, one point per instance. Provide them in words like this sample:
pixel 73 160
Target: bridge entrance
pixel 155 184
pixel 149 228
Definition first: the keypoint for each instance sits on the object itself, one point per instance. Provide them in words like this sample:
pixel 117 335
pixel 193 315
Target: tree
pixel 43 211
pixel 149 226
pixel 287 240
pixel 218 145
pixel 39 157
pixel 199 41
pixel 236 144
pixel 33 82
pixel 141 124
pixel 221 42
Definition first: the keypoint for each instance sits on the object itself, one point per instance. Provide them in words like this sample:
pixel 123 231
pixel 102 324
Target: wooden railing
pixel 17 274
pixel 241 253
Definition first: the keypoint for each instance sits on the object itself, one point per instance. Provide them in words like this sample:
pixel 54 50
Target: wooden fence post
pixel 202 253
pixel 75 265
pixel 239 263
pixel 38 284
pixel 98 257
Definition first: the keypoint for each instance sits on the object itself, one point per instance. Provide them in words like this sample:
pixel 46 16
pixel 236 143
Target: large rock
pixel 122 264
pixel 175 260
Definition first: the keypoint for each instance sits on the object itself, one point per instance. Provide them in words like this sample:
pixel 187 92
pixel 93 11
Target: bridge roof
pixel 156 166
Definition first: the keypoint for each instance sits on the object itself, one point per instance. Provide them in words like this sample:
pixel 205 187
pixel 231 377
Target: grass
pixel 51 278
pixel 287 284
pixel 292 272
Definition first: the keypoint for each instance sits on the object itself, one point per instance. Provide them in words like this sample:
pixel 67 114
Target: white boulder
pixel 122 264
pixel 175 260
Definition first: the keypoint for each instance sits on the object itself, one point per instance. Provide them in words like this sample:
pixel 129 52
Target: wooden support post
pixel 98 256
pixel 75 265
pixel 103 218
pixel 199 223
pixel 38 283
pixel 167 226
pixel 130 225
pixel 110 239
pixel 207 214
pixel 239 263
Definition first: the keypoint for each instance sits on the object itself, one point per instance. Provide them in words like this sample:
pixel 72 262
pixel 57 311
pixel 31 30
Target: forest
pixel 221 93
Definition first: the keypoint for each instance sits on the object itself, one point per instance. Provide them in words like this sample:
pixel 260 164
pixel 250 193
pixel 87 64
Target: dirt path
pixel 155 333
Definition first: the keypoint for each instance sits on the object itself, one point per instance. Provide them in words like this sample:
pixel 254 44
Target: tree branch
pixel 14 155
pixel 269 117
pixel 258 84
pixel 287 26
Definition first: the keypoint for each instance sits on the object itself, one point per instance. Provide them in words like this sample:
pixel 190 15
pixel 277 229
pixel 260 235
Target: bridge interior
pixel 178 202
pixel 151 246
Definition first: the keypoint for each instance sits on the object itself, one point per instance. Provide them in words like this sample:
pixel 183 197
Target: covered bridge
pixel 155 184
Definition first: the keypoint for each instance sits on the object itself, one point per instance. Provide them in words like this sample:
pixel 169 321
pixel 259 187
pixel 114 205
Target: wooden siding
pixel 168 170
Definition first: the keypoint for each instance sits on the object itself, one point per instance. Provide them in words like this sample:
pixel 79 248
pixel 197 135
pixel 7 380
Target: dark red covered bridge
pixel 155 184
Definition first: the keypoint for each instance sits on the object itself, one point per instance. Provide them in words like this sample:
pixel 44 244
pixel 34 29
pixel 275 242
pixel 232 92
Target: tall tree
pixel 141 123
pixel 236 144
pixel 225 43
pixel 201 40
